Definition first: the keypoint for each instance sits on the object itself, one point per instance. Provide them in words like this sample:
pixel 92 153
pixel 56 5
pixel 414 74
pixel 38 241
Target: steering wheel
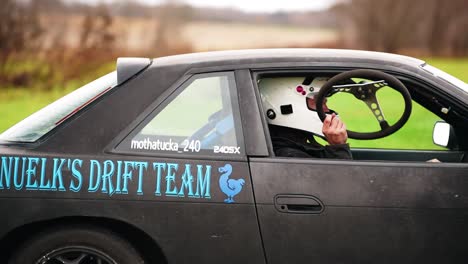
pixel 366 92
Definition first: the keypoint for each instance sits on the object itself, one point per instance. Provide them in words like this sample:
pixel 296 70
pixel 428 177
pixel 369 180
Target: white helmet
pixel 284 102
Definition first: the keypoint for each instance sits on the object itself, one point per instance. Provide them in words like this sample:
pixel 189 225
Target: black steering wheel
pixel 366 92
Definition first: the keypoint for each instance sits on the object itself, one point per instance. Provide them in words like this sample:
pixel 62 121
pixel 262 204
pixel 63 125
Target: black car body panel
pixel 373 212
pixel 384 207
pixel 153 195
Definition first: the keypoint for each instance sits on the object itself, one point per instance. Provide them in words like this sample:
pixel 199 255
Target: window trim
pixel 251 116
pixel 261 72
pixel 165 99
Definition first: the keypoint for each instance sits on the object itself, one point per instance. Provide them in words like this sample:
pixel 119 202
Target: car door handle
pixel 298 204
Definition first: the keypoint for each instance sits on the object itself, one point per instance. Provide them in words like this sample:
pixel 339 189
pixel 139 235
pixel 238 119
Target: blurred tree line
pixel 35 51
pixel 429 27
pixel 28 57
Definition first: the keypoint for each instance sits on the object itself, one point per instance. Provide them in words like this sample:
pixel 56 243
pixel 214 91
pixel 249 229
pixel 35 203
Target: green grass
pixel 455 67
pixel 16 104
pixel 415 134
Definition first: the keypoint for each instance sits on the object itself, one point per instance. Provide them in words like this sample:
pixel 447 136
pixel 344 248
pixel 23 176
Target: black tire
pixel 68 242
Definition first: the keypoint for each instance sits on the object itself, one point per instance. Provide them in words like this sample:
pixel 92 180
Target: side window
pixel 289 105
pixel 201 117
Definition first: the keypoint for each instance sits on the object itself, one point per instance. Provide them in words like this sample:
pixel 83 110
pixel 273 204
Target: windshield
pixel 40 123
pixel 446 77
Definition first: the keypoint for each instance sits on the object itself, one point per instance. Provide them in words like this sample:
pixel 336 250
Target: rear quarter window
pixel 200 118
pixel 43 121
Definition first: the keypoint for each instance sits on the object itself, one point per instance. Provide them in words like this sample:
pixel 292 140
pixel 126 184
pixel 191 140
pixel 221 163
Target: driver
pixel 289 104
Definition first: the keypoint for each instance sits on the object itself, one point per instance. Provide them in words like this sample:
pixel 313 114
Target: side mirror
pixel 444 135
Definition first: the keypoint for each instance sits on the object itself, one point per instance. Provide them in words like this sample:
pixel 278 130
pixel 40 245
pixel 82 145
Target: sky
pixel 248 5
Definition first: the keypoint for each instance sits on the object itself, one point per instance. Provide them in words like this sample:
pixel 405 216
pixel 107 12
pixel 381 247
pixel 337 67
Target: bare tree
pixel 457 36
pixel 171 17
pixel 457 28
pixel 437 26
pixel 20 28
pixel 381 25
pixel 96 30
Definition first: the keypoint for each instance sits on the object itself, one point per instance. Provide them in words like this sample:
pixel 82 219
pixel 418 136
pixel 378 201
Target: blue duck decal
pixel 230 187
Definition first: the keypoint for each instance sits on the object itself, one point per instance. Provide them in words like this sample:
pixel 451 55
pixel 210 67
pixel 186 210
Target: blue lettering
pixel 187 180
pixel 170 178
pixel 119 176
pixel 5 173
pixel 57 174
pixel 127 175
pixel 15 170
pixel 107 177
pixel 43 185
pixel 31 172
pixel 140 166
pixel 203 183
pixel 160 167
pixel 19 186
pixel 93 187
pixel 77 174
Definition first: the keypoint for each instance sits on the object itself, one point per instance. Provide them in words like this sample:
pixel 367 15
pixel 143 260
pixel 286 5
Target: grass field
pixel 16 104
pixel 415 134
pixel 456 67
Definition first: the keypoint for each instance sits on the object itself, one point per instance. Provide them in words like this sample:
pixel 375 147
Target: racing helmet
pixel 285 102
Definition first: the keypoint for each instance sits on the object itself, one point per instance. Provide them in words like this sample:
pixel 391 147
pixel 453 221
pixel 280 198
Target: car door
pixel 352 211
pixel 361 212
pixel 203 207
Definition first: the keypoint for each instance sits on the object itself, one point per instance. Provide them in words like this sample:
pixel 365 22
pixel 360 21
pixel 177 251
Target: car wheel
pixel 76 245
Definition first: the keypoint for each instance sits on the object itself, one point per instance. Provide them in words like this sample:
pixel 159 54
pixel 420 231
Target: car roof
pixel 249 56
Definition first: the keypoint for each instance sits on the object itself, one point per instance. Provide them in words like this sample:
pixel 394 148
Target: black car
pixel 170 160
